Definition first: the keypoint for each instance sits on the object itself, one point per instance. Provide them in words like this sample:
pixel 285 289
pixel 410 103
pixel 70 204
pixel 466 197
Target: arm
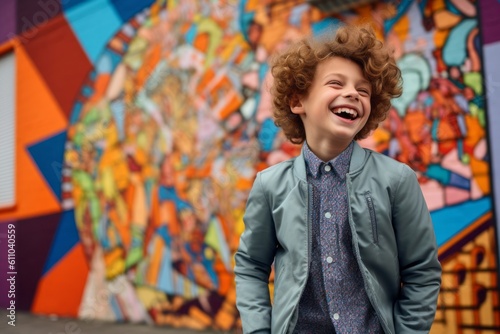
pixel 254 258
pixel 420 269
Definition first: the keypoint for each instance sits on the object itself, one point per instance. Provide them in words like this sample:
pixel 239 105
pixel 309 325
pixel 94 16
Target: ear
pixel 296 105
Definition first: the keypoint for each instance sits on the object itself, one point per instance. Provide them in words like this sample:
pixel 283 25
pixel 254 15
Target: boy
pixel 348 229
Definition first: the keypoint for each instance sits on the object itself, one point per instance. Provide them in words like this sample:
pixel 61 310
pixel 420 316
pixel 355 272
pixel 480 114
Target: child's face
pixel 337 105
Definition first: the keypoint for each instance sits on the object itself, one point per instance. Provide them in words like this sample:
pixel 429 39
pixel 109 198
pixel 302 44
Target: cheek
pixel 368 114
pixel 367 106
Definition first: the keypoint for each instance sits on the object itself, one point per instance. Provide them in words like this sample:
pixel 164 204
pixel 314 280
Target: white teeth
pixel 346 110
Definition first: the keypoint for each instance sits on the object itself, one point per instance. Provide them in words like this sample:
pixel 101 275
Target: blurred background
pixel 131 131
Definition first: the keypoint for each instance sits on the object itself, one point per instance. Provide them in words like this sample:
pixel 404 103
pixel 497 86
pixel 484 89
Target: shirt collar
pixel 340 163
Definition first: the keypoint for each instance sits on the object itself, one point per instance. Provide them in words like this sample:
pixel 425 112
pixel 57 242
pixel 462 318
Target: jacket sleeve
pixel 253 261
pixel 420 269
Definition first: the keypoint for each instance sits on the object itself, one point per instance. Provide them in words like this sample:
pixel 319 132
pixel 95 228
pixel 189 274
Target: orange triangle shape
pixel 38 116
pixel 60 291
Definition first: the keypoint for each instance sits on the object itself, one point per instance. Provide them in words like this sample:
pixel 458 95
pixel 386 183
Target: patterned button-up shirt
pixel 334 299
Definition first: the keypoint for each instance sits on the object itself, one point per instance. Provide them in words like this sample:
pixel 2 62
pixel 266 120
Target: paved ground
pixel 30 324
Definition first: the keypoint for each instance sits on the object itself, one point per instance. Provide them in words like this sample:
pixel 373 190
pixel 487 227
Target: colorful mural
pixel 169 118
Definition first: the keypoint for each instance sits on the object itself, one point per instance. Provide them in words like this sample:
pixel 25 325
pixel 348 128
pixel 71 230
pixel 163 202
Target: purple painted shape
pixel 7 20
pixel 489 11
pixel 33 14
pixel 34 237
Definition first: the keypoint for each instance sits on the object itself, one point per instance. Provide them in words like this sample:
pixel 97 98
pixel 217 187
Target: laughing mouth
pixel 346 113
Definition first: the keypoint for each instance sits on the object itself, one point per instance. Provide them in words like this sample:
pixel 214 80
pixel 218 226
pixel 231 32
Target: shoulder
pixel 388 163
pixel 388 170
pixel 277 170
pixel 278 179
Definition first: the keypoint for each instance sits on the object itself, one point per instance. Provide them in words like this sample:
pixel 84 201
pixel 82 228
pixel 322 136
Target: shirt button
pixel 329 259
pixel 328 168
pixel 328 215
pixel 336 316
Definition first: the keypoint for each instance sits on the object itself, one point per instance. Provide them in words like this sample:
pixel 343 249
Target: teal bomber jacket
pixel 392 236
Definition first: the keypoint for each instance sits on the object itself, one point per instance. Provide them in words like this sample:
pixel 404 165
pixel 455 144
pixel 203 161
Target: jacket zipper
pixel 309 241
pixel 373 216
pixel 368 288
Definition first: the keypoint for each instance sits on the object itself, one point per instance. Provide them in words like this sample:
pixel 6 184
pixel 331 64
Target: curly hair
pixel 294 70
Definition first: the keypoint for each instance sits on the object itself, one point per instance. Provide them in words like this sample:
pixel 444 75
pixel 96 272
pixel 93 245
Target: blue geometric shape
pixel 104 64
pixel 87 91
pixel 116 308
pixel 94 23
pixel 166 276
pixel 165 235
pixel 457 180
pixel 48 156
pixel 75 114
pixel 328 25
pixel 191 34
pixel 170 194
pixel 401 9
pixel 267 134
pixel 297 15
pixel 67 4
pixel 65 238
pixel 449 221
pixel 118 110
pixel 245 18
pixel 128 8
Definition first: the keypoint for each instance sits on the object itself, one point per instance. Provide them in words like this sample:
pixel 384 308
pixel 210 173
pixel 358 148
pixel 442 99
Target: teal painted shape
pixel 191 34
pixel 94 23
pixel 325 26
pixel 450 221
pixel 416 74
pixel 439 174
pixel 455 49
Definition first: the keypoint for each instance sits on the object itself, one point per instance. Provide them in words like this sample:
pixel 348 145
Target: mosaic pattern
pixel 156 151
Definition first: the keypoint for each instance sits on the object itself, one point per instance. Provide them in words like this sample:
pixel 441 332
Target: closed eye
pixel 335 83
pixel 364 91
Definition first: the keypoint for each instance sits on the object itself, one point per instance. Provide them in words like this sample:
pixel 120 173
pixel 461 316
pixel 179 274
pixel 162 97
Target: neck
pixel 327 151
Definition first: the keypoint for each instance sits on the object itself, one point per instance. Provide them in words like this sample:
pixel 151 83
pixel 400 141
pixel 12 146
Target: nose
pixel 351 93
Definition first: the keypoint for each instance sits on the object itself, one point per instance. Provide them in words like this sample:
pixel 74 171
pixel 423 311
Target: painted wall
pixel 142 124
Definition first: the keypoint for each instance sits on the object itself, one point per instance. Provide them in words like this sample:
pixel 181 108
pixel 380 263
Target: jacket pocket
pixel 373 216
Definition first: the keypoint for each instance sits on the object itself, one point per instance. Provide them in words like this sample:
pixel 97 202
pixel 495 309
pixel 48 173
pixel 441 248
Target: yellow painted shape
pixel 150 297
pixel 238 41
pixel 444 19
pixel 108 183
pixel 115 264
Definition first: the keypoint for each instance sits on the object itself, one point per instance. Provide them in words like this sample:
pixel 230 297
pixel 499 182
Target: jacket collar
pixel 357 160
pixel 340 163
